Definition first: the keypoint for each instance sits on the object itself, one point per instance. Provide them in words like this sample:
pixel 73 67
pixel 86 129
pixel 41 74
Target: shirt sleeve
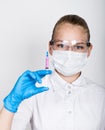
pixel 23 116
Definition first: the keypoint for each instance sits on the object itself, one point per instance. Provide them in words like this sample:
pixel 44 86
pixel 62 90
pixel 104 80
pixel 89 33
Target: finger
pixel 38 78
pixel 35 76
pixel 42 73
pixel 30 74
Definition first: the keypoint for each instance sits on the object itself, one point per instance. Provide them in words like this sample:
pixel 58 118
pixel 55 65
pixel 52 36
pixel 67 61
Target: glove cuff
pixel 11 104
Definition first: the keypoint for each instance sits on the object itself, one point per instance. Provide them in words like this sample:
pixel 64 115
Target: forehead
pixel 69 26
pixel 67 31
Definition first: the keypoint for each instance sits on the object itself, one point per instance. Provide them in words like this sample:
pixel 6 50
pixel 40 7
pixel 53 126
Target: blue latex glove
pixel 25 88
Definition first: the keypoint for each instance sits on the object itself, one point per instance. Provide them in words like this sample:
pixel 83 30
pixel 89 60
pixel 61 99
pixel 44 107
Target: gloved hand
pixel 25 88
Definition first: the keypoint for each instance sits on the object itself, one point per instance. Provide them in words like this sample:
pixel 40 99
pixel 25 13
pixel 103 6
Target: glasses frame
pixel 73 42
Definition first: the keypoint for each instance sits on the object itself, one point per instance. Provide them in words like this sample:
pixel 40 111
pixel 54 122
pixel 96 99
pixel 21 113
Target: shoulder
pixel 95 87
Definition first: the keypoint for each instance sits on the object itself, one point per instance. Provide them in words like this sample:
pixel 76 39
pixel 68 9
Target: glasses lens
pixel 66 45
pixel 80 47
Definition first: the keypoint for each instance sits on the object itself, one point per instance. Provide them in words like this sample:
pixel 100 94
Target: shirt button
pixel 69 112
pixel 69 92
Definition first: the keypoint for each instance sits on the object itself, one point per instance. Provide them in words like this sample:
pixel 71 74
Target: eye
pixel 60 45
pixel 79 47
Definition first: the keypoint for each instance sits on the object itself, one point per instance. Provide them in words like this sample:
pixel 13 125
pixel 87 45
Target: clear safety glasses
pixel 73 45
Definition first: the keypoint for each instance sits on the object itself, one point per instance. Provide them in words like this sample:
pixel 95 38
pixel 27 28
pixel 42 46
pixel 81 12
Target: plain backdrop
pixel 26 28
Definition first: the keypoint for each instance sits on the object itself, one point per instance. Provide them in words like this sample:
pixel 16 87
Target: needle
pixel 47 61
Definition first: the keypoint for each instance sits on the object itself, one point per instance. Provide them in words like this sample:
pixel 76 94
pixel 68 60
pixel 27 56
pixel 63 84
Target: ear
pixel 50 49
pixel 89 50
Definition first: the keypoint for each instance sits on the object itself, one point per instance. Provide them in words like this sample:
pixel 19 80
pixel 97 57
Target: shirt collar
pixel 59 83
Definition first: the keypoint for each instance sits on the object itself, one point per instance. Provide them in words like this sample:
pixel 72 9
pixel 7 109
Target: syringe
pixel 47 61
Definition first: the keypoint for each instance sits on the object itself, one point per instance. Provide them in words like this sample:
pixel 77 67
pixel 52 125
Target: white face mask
pixel 68 63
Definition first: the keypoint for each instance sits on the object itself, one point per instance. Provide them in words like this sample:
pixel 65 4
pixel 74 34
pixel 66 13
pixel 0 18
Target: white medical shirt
pixel 65 106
